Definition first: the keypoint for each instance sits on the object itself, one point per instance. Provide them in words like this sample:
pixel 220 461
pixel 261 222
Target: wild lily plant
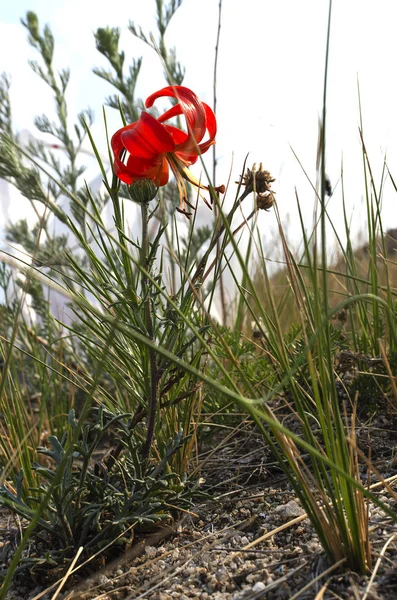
pixel 100 366
pixel 134 369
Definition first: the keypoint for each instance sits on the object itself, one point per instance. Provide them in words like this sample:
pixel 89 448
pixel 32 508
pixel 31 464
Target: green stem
pixel 153 379
pixel 122 240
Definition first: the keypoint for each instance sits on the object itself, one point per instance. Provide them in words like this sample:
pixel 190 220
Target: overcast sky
pixel 270 78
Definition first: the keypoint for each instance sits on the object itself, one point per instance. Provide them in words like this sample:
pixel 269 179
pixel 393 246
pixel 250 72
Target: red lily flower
pixel 154 146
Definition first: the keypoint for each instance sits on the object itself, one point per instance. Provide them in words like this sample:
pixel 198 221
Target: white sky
pixel 270 78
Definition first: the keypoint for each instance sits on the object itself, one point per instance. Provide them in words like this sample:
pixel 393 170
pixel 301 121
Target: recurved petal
pixel 190 106
pixel 211 128
pixel 190 149
pixel 148 139
pixel 121 171
pixel 177 135
pixel 175 111
pixel 116 142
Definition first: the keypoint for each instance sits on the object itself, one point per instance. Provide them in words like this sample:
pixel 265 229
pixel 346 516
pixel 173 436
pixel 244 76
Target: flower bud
pixel 142 190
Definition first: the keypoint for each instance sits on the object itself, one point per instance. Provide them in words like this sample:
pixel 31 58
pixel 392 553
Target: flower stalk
pixel 148 318
pixel 120 228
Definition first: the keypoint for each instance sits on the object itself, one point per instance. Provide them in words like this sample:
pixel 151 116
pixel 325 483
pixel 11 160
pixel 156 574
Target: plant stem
pixel 123 246
pixel 153 383
pixel 214 163
pixel 214 160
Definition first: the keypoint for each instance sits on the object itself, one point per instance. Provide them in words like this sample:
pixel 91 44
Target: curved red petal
pixel 148 169
pixel 175 111
pixel 121 171
pixel 177 134
pixel 190 106
pixel 139 169
pixel 147 139
pixel 189 152
pixel 210 122
pixel 186 158
pixel 116 143
pixel 163 173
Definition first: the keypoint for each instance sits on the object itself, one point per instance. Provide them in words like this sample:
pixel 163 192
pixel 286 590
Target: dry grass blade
pixel 47 590
pixel 269 534
pixel 320 594
pixel 68 573
pixel 378 562
pixel 390 374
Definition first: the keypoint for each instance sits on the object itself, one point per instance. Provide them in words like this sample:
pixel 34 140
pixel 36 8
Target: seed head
pixel 259 181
